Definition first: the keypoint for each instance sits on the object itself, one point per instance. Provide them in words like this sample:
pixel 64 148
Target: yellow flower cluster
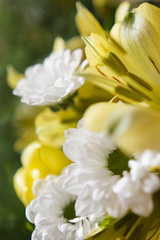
pixel 121 97
pixel 125 63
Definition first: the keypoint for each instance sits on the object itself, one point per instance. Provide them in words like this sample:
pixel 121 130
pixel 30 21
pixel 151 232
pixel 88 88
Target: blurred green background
pixel 27 31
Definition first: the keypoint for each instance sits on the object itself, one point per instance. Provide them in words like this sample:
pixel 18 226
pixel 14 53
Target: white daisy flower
pixel 105 179
pixel 137 186
pixel 150 159
pixel 53 80
pixel 96 169
pixel 53 213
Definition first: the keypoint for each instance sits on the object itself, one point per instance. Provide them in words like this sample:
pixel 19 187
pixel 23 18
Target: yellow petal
pixel 54 159
pixel 134 129
pixel 106 111
pixel 140 39
pixel 112 75
pixel 45 159
pixel 121 11
pixel 38 161
pixel 151 13
pixel 86 22
pixel 74 43
pixel 30 154
pixel 129 58
pixel 127 85
pixel 96 49
pixel 13 76
pixel 23 186
pixel 50 126
pixel 59 43
pixel 91 93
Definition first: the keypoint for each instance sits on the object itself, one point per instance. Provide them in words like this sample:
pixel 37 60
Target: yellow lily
pixel 127 62
pixel 37 162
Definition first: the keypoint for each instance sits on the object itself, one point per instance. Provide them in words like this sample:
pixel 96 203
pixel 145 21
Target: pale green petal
pixel 134 129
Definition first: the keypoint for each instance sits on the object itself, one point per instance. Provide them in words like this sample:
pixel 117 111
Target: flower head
pixel 53 213
pixel 53 80
pixel 104 178
pixel 126 63
pixel 137 186
pixel 98 165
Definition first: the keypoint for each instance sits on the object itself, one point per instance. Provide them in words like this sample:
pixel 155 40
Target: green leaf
pixel 106 222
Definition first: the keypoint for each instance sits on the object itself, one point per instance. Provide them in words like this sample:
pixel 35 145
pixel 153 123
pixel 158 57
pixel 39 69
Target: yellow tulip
pixel 38 161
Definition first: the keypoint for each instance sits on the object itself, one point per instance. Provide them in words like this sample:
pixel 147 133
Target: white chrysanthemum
pixel 96 176
pixel 137 186
pixel 52 212
pixel 53 80
pixel 150 159
pixel 89 176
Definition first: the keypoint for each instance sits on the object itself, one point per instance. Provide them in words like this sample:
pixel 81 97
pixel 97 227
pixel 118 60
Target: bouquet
pixel 89 131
